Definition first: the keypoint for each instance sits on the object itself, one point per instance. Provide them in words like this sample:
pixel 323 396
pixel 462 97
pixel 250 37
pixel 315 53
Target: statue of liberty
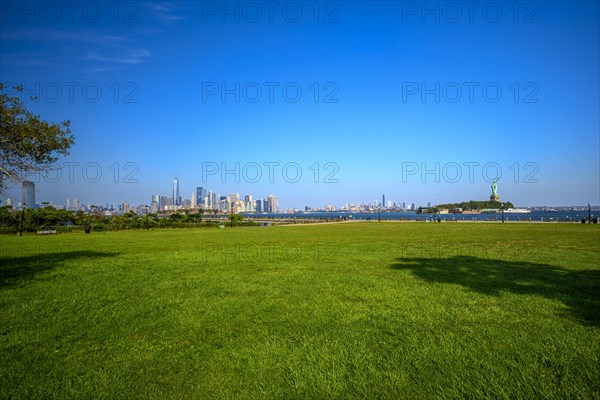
pixel 495 188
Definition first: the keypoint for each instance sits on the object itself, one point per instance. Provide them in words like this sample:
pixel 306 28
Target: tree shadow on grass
pixel 15 270
pixel 579 290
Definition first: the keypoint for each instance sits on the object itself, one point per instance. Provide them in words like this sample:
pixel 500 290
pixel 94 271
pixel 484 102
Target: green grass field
pixel 354 310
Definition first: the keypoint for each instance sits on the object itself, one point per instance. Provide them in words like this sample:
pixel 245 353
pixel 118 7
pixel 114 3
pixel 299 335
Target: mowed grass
pixel 353 310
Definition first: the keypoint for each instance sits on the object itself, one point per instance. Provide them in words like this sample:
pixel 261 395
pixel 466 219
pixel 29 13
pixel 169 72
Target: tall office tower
pixel 215 201
pixel 201 195
pixel 209 199
pixel 193 200
pixel 259 207
pixel 164 201
pixel 248 203
pixel 176 197
pixel 68 204
pixel 234 204
pixel 28 195
pixel 383 202
pixel 272 204
pixel 154 204
pixel 223 203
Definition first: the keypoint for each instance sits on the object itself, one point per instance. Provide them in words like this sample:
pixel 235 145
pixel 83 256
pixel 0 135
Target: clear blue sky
pixel 377 68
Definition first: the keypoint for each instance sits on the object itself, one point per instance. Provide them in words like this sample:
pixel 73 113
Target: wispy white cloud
pixel 169 11
pixel 48 48
pixel 105 69
pixel 133 57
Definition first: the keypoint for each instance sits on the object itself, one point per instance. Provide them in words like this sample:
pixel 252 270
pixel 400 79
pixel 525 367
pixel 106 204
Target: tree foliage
pixel 235 219
pixel 477 205
pixel 27 143
pixel 50 218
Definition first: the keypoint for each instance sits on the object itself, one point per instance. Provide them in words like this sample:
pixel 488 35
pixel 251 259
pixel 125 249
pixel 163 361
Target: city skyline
pixel 231 203
pixel 340 103
pixel 202 198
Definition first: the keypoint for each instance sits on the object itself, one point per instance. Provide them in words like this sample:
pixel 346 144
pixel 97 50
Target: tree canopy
pixel 476 205
pixel 27 142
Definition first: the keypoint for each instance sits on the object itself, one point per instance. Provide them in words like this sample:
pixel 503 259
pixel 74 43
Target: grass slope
pixel 355 310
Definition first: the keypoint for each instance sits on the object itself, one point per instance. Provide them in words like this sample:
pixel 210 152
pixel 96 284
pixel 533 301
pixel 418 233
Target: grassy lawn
pixel 354 310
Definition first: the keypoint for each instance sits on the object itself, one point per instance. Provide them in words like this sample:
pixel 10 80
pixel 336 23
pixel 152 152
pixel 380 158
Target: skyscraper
pixel 215 201
pixel 383 202
pixel 201 197
pixel 249 203
pixel 28 195
pixel 176 197
pixel 154 204
pixel 272 204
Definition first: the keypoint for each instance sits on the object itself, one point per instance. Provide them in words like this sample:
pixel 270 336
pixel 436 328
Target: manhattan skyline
pixel 319 103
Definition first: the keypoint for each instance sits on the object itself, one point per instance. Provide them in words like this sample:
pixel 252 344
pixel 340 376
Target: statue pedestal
pixel 495 197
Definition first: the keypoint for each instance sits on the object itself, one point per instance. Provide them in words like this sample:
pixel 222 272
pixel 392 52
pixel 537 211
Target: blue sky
pixel 424 102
